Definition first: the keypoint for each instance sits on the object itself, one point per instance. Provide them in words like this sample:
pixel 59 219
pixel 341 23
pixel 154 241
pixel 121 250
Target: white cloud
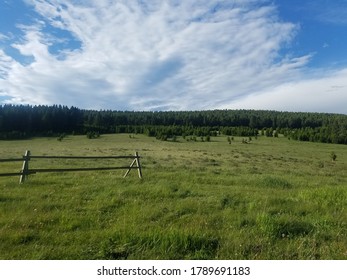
pixel 3 37
pixel 154 55
pixel 324 93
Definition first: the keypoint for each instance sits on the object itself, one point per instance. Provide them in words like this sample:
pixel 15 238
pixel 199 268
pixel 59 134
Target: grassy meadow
pixel 273 198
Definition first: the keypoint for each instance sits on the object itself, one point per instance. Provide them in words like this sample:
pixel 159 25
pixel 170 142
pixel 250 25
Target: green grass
pixel 271 199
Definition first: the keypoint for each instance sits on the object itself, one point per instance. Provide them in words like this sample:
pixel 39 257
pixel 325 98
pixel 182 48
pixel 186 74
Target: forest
pixel 25 121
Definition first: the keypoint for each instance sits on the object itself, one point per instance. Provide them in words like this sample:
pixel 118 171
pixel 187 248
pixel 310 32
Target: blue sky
pixel 286 55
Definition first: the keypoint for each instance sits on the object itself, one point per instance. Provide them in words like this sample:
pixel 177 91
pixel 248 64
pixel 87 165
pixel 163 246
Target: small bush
pixel 61 137
pixel 333 156
pixel 93 134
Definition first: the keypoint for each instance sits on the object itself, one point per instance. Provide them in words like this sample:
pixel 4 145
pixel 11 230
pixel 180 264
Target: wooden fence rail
pixel 26 171
pixel 11 159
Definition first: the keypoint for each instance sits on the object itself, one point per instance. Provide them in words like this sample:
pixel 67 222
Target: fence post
pixel 137 161
pixel 137 158
pixel 25 167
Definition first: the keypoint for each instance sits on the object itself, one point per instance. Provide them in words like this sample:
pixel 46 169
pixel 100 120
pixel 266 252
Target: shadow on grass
pixel 157 245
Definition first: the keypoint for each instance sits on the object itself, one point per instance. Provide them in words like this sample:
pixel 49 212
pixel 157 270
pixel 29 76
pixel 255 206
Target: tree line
pixel 24 121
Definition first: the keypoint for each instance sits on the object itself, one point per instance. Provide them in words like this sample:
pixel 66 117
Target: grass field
pixel 271 199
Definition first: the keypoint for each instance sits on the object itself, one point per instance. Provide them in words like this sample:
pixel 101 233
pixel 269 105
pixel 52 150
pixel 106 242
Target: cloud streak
pixel 155 55
pixel 332 12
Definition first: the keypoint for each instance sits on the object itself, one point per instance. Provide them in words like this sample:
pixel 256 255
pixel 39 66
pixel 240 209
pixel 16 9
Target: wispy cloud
pixel 151 55
pixel 333 12
pixel 3 37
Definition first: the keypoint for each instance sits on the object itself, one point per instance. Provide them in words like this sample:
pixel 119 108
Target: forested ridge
pixel 24 121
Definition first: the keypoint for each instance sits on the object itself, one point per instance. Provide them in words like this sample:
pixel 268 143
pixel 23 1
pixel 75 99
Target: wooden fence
pixel 26 171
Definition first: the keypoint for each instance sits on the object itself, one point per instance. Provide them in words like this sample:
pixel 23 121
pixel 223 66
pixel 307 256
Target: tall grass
pixel 271 199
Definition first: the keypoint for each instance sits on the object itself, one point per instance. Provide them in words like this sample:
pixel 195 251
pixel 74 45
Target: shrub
pixel 93 134
pixel 333 156
pixel 61 137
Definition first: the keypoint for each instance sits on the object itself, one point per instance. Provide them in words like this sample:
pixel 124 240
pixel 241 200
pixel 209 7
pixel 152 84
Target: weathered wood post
pixel 25 167
pixel 137 161
pixel 137 158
